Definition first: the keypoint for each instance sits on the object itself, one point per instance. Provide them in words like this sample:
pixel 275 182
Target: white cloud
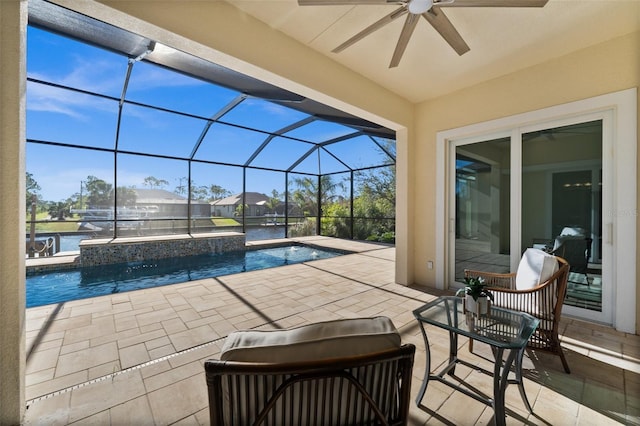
pixel 41 97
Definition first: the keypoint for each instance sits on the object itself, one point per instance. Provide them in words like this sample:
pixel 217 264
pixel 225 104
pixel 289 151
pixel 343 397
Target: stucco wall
pixel 13 20
pixel 597 70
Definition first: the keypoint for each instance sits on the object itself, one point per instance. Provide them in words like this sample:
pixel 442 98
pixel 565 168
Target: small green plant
pixel 475 287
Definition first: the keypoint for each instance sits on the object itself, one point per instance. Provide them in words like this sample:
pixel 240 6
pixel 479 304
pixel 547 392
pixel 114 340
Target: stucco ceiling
pixel 502 40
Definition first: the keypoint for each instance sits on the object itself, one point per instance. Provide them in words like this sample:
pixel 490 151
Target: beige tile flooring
pixel 137 358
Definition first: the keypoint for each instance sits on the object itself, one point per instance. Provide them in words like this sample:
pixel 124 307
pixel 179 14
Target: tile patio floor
pixel 137 358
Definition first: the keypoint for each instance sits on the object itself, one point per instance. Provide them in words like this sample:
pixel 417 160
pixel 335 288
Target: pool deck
pixel 137 357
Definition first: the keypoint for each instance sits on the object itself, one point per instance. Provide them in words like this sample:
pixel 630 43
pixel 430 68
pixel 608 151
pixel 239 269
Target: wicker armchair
pixel 296 380
pixel 543 300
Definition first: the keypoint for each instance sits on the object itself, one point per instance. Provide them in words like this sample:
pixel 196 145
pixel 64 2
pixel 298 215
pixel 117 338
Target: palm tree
pixel 274 201
pixel 305 196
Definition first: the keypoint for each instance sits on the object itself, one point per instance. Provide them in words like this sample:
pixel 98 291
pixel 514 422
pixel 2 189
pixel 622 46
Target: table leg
pixel 500 382
pixel 453 352
pixel 427 368
pixel 519 380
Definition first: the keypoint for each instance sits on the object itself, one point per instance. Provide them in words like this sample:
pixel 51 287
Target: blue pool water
pixel 82 283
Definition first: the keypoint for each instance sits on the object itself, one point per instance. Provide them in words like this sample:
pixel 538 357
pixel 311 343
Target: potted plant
pixel 477 297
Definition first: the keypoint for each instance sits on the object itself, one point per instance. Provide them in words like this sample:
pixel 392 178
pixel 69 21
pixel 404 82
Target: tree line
pixel 373 201
pixel 97 193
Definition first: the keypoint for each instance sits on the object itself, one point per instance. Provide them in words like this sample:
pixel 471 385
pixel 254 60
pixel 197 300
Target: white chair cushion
pixel 535 267
pixel 323 340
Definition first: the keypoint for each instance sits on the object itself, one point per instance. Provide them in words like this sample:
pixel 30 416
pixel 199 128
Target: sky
pixel 91 120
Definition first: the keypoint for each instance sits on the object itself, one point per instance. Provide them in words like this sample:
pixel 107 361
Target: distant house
pixel 255 201
pixel 165 203
pixel 149 204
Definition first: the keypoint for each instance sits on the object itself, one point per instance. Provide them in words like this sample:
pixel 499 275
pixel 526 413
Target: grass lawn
pixel 225 221
pixel 54 226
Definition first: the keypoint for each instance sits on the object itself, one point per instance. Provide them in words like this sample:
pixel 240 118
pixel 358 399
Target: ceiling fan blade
pixel 371 28
pixel 405 35
pixel 441 23
pixel 344 2
pixel 494 3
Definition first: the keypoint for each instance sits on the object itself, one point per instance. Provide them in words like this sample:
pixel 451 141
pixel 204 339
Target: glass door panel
pixel 482 207
pixel 562 203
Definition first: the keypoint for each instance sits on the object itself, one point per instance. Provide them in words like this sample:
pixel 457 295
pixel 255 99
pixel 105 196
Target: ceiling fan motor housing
pixel 419 6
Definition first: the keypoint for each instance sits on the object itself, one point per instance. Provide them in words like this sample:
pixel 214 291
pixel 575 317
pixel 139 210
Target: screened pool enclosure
pixel 127 136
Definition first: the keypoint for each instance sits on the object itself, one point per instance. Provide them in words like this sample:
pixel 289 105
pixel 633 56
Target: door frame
pixel 619 114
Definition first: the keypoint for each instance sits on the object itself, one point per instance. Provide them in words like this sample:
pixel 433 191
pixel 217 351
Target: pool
pixel 82 283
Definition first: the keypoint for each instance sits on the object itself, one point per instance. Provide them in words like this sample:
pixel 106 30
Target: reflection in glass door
pixel 562 204
pixel 482 207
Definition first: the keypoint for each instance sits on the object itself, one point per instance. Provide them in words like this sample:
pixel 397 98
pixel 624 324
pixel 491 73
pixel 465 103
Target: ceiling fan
pixel 429 10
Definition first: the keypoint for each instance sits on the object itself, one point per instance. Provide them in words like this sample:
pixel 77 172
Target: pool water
pixel 82 283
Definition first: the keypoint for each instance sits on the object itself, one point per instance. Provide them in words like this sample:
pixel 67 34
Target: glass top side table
pixel 503 329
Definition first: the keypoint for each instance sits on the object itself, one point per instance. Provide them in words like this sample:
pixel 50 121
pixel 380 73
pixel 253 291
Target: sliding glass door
pixel 562 204
pixel 542 186
pixel 482 200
